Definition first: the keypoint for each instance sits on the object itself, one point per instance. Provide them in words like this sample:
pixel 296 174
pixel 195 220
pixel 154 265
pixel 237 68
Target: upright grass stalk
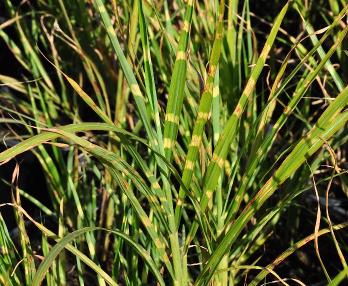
pixel 131 79
pixel 325 127
pixel 149 76
pixel 228 134
pixel 299 92
pixel 177 84
pixel 203 112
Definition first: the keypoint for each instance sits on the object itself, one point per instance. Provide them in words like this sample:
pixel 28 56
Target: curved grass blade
pixel 45 265
pixel 107 157
pixel 52 134
pixel 69 247
pixel 47 136
pixel 290 251
pixel 116 166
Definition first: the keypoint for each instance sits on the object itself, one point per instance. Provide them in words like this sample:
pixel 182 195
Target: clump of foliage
pixel 175 137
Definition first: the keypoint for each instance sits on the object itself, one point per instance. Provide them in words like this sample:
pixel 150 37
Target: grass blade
pixel 325 127
pixel 177 84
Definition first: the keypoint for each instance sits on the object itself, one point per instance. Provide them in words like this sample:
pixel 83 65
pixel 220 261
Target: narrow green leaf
pixel 46 264
pixel 177 84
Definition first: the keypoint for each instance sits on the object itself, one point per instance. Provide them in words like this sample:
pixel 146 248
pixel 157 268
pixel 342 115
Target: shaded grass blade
pixel 45 265
pixel 131 79
pixel 290 251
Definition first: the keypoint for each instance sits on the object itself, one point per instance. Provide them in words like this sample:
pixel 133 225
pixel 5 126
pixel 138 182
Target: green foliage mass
pixel 177 139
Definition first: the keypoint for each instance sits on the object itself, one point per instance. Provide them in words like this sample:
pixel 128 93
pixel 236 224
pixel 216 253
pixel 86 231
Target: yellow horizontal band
pixel 209 194
pixel 216 91
pixel 189 165
pixel 203 115
pixel 172 118
pixel 219 161
pixel 168 143
pixel 181 56
pixel 136 90
pixel 186 27
pixel 196 140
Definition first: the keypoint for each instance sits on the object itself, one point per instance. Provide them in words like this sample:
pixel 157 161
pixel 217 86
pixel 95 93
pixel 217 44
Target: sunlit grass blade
pixel 325 127
pixel 203 110
pixel 177 84
pixel 299 92
pixel 228 134
pixel 339 277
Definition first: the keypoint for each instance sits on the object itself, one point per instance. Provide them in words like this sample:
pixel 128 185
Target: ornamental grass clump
pixel 182 142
